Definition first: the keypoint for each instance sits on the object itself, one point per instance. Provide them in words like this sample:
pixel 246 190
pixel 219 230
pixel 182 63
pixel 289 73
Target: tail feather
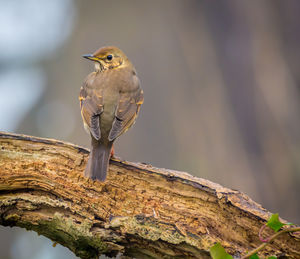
pixel 98 161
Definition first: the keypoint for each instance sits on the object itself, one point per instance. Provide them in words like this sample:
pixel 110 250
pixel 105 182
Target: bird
pixel 110 99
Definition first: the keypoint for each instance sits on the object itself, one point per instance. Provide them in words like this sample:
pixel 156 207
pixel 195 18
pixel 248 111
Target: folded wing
pixel 91 105
pixel 126 112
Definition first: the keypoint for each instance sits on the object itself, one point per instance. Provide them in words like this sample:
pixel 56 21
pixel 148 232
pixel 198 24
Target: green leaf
pixel 218 252
pixel 274 222
pixel 272 257
pixel 255 256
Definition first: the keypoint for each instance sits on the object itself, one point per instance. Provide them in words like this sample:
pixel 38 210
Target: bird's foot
pixel 112 152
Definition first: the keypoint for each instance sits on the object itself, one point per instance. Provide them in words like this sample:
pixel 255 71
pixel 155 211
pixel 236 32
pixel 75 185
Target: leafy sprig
pixel 218 252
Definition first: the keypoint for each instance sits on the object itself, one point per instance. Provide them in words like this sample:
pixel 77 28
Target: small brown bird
pixel 110 99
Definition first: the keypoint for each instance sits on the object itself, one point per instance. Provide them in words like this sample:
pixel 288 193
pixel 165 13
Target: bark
pixel 140 211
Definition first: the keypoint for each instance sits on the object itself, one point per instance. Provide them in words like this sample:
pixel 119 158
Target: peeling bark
pixel 140 211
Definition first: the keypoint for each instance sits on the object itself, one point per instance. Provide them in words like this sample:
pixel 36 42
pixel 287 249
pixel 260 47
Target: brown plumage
pixel 110 99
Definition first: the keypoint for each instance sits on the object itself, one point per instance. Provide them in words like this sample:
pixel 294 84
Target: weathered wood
pixel 140 210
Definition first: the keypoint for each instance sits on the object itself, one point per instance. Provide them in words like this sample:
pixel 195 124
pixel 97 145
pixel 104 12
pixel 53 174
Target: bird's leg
pixel 112 152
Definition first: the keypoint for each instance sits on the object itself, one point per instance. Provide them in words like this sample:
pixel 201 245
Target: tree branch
pixel 140 211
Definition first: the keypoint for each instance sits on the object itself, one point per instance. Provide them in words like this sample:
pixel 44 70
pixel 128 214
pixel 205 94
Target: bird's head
pixel 108 58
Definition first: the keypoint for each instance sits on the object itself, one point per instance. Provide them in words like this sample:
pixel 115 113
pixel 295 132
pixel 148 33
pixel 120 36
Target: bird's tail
pixel 98 160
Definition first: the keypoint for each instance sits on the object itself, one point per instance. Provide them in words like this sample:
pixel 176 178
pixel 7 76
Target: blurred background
pixel 221 82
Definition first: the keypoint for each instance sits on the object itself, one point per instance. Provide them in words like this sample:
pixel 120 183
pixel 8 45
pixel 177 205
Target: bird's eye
pixel 109 57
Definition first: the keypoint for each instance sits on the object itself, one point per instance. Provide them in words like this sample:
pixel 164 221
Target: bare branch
pixel 140 211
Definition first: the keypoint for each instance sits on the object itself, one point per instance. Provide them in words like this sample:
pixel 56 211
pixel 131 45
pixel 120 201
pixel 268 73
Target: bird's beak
pixel 90 57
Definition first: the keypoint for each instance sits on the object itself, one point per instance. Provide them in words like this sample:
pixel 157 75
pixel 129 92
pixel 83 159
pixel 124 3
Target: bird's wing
pixel 91 105
pixel 126 112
